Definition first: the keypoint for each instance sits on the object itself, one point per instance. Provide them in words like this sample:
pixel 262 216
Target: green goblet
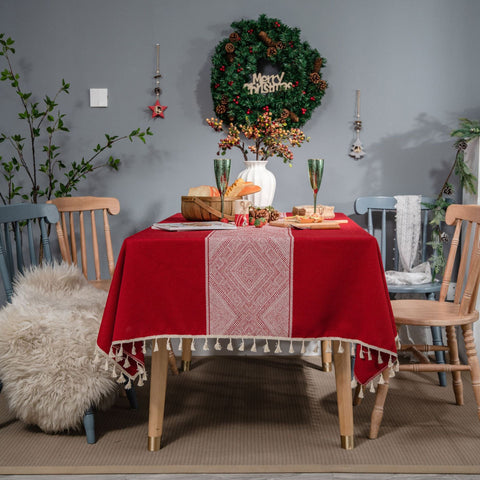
pixel 315 172
pixel 222 173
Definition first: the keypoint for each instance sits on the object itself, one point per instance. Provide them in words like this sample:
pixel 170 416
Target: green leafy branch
pixel 468 130
pixel 48 176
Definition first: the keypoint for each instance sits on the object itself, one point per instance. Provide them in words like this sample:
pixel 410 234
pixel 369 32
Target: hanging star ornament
pixel 157 110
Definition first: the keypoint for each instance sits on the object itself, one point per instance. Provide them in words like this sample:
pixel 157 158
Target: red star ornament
pixel 157 110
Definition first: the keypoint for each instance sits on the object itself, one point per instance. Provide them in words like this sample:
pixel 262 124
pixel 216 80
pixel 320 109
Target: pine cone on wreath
pixel 229 47
pixel 220 109
pixel 271 51
pixel 315 78
pixel 234 37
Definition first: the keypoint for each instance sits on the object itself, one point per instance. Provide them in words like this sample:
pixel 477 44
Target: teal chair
pixel 380 213
pixel 23 243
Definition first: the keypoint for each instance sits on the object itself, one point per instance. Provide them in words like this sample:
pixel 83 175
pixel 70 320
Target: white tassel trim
pixel 291 350
pixel 230 346
pixel 303 347
pixel 241 348
pixel 278 349
pixel 192 346
pixel 266 348
pixel 134 350
pixel 340 347
pixel 205 345
pixel 254 346
pixel 217 345
pixel 155 346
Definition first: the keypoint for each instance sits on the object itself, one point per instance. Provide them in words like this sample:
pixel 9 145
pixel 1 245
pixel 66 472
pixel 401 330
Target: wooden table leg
pixel 186 354
pixel 158 387
pixel 344 393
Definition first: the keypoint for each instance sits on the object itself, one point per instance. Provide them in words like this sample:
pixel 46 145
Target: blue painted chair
pixel 23 243
pixel 384 207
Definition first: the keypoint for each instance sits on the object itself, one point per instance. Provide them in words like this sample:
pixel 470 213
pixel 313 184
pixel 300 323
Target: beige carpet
pixel 259 414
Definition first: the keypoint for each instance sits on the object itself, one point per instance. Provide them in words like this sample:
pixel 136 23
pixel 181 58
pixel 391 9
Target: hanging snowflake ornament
pixel 157 109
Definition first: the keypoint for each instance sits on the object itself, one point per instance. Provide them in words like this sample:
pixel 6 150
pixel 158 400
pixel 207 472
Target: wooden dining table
pixel 248 288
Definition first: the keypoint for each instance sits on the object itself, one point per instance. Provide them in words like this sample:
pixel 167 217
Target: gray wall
pixel 415 62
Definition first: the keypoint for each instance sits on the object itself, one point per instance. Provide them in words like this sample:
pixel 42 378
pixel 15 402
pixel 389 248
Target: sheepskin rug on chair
pixel 47 348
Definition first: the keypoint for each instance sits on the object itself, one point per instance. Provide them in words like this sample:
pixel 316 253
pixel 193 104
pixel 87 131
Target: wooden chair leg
pixel 89 425
pixel 357 398
pixel 473 362
pixel 455 360
pixel 439 355
pixel 377 413
pixel 132 397
pixel 326 355
pixel 172 362
pixel 186 354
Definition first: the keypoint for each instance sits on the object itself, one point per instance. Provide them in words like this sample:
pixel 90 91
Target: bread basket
pixel 208 208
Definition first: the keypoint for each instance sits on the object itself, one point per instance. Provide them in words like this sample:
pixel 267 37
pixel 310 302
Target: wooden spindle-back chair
pixel 73 211
pixel 381 211
pixel 459 313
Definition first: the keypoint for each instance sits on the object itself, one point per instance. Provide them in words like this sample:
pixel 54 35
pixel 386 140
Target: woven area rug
pixel 259 414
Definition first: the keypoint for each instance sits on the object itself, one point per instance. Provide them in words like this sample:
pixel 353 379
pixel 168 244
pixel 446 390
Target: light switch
pixel 99 97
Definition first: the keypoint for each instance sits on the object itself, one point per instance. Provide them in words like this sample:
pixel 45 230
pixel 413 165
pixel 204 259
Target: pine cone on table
pixel 262 213
pixel 274 215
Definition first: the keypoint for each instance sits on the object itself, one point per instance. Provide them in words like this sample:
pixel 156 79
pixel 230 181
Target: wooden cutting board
pixel 292 223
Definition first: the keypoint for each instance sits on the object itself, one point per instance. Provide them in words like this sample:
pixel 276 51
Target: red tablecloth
pixel 161 288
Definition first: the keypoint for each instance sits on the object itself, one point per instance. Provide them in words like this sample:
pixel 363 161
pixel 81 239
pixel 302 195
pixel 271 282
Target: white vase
pixel 257 173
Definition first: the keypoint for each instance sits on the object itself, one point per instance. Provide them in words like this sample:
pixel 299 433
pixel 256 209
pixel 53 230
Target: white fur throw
pixel 47 347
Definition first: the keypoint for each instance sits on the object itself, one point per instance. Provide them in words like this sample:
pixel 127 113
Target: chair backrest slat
pixel 79 206
pixel 108 243
pixel 83 245
pixel 31 246
pixel 96 257
pixel 468 276
pixel 386 208
pixel 19 221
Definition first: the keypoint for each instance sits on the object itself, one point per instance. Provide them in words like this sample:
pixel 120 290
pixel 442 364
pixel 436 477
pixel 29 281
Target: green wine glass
pixel 315 172
pixel 222 174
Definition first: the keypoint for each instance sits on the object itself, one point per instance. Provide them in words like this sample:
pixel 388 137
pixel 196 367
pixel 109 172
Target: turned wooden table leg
pixel 158 387
pixel 186 354
pixel 344 393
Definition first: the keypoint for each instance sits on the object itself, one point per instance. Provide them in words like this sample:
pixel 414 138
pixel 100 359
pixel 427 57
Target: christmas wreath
pixel 240 89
